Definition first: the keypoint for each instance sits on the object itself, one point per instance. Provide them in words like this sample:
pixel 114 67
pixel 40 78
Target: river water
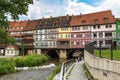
pixel 41 74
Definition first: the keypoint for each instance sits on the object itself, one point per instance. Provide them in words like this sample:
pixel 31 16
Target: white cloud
pixel 40 9
pixel 75 7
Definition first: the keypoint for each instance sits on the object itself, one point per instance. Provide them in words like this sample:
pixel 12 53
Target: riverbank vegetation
pixel 30 60
pixel 107 54
pixel 55 72
pixel 87 73
pixel 7 65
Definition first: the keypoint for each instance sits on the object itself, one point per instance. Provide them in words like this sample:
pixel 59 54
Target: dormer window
pixel 105 19
pixel 21 27
pixel 17 28
pixel 84 22
pixel 95 20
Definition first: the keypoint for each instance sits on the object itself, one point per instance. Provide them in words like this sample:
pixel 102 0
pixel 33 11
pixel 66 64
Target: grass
pixel 69 72
pixel 55 71
pixel 107 54
pixel 87 73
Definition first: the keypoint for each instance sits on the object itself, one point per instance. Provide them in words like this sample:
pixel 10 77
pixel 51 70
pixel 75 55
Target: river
pixel 41 74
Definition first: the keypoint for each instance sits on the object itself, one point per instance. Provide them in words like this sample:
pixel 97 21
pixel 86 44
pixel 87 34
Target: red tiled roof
pixel 17 25
pixel 31 25
pixel 89 19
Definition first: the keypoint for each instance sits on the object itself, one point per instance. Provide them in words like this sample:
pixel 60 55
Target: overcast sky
pixel 47 8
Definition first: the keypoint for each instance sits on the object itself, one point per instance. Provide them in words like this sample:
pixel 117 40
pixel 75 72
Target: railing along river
pixel 65 66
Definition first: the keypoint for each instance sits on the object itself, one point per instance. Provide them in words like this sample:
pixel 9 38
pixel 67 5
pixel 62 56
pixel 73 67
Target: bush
pixel 31 60
pixel 6 66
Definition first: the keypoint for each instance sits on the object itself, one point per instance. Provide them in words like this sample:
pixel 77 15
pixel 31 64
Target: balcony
pixel 28 46
pixel 30 34
pixel 28 40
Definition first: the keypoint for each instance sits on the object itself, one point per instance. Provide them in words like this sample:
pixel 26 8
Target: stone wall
pixel 102 69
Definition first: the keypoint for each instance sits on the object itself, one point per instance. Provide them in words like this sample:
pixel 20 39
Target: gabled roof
pixel 12 46
pixel 93 18
pixel 17 25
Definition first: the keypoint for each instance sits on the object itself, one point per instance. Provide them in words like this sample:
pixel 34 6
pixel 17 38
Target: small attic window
pixel 95 20
pixel 83 21
pixel 21 27
pixel 105 19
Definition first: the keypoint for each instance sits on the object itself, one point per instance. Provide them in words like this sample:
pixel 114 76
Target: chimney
pixel 72 15
pixel 43 17
pixel 80 14
pixel 60 18
pixel 51 17
pixel 67 16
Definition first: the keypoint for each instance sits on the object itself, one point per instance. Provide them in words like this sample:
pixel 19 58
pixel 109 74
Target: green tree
pixel 13 8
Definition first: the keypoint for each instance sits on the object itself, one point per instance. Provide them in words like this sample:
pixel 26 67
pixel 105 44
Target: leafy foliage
pixel 14 8
pixel 5 39
pixel 11 8
pixel 31 60
pixel 6 66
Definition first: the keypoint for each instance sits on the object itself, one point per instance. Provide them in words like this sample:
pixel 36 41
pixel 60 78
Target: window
pixel 95 34
pixel 87 35
pixel 77 43
pixel 118 35
pixel 108 34
pixel 108 41
pixel 61 36
pixel 105 19
pixel 80 35
pixel 75 28
pixel 100 34
pixel 94 27
pixel 72 35
pixel 118 27
pixel 36 44
pixel 118 42
pixel 72 28
pixel 84 21
pixel 72 43
pixel 85 27
pixel 108 25
pixel 98 26
pixel 101 42
pixel 78 28
pixel 64 29
pixel 95 42
pixel 95 20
